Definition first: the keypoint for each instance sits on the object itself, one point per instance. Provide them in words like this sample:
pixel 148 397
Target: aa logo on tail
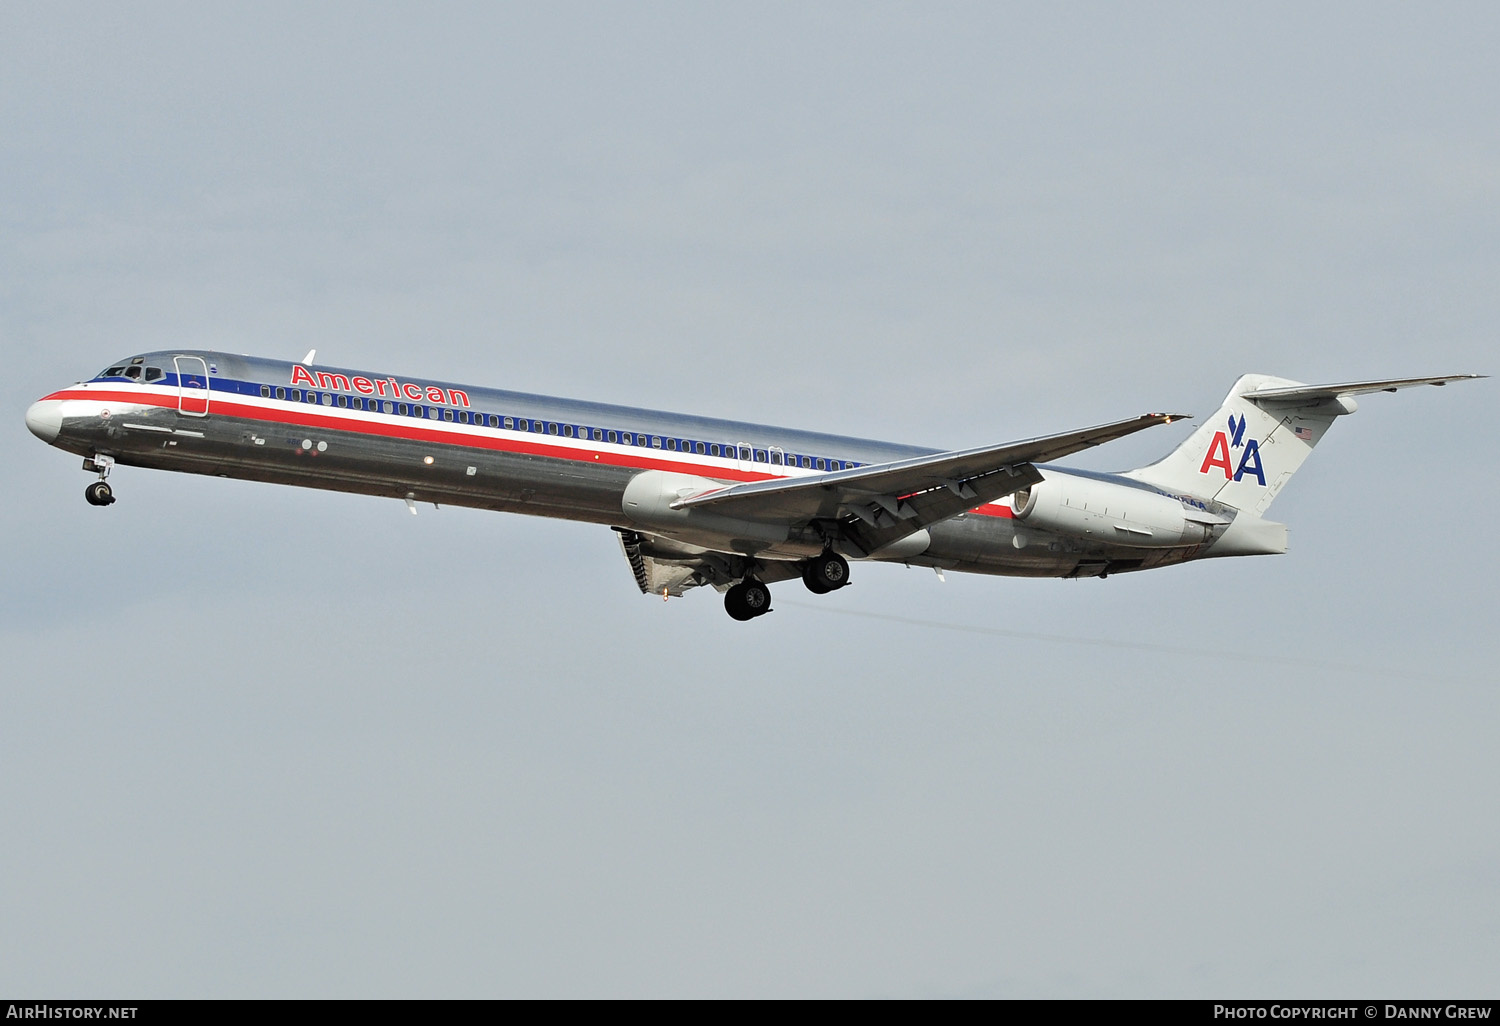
pixel 1218 453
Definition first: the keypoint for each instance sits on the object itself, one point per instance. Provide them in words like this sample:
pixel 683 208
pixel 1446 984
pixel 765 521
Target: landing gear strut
pixel 747 600
pixel 99 493
pixel 825 573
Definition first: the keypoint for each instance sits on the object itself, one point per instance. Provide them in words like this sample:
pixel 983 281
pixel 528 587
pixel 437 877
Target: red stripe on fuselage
pixel 459 435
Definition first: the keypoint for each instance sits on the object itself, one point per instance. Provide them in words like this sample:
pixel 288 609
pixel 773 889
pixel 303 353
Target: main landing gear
pixel 99 493
pixel 825 573
pixel 751 598
pixel 747 600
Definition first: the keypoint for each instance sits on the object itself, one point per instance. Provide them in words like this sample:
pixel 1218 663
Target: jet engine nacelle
pixel 1110 513
pixel 648 502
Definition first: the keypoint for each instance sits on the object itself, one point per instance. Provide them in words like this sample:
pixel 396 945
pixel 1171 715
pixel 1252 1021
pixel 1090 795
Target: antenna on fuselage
pixel 308 359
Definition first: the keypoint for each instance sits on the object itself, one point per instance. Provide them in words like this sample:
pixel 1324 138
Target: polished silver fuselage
pixel 425 441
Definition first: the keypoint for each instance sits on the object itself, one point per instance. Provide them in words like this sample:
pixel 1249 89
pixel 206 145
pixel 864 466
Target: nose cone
pixel 45 419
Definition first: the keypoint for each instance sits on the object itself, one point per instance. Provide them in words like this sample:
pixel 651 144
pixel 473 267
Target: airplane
pixel 697 501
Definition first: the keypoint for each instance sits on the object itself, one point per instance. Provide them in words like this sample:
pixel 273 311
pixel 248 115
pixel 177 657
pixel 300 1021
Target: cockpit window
pixel 132 372
pixel 154 373
pixel 114 372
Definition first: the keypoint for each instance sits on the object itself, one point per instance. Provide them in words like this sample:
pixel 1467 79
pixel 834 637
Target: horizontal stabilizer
pixel 1320 393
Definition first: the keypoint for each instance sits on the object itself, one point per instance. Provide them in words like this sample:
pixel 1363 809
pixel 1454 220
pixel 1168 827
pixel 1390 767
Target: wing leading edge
pixel 883 503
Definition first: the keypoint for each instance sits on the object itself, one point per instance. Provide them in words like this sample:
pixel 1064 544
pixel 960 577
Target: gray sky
pixel 262 741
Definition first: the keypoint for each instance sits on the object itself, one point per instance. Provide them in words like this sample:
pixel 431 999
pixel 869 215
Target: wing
pixel 663 567
pixel 1318 393
pixel 883 503
pixel 656 576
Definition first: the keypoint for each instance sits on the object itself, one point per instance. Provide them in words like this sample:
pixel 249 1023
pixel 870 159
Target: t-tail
pixel 1243 456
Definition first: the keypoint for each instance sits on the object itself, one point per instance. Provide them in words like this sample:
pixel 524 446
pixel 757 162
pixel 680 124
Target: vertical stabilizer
pixel 1243 455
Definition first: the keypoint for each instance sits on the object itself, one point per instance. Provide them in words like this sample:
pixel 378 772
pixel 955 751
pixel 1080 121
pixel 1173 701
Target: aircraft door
pixel 192 385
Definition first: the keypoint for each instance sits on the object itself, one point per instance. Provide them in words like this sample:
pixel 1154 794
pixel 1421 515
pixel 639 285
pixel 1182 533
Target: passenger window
pixel 418 411
pixel 713 449
pixel 598 434
pixel 807 463
pixel 700 448
pixel 744 454
pixel 760 455
pixel 510 423
pixel 343 400
pixel 281 393
pixel 568 430
pixel 776 459
pixel 388 407
pixel 327 398
pixel 295 394
pixel 820 463
pixel 627 438
pixel 448 415
pixel 312 397
pixel 656 441
pixel 551 428
pixel 672 444
pixel 401 409
pixel 265 391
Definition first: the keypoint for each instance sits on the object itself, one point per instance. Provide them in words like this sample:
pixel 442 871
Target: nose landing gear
pixel 747 600
pixel 99 493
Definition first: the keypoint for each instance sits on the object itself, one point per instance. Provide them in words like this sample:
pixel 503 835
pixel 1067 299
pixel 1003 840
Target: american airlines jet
pixel 697 501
